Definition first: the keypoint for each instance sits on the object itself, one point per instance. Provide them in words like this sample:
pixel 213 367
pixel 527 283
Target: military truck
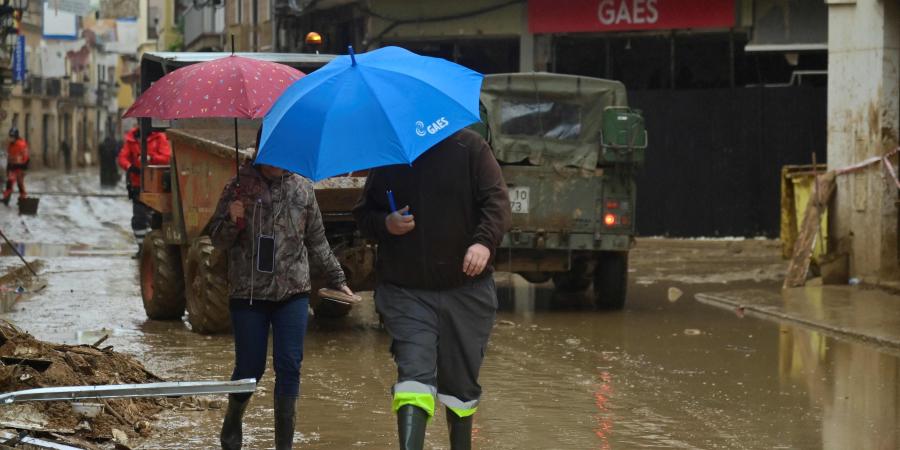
pixel 569 147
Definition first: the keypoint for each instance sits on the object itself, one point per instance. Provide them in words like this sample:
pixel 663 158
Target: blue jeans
pixel 251 324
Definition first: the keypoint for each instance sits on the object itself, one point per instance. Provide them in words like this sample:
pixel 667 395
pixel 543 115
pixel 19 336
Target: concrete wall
pixel 863 121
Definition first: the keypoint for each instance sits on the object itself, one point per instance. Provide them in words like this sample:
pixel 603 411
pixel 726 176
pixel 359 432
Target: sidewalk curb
pixel 722 300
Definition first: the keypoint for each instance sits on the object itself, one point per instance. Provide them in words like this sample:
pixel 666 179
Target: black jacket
pixel 457 195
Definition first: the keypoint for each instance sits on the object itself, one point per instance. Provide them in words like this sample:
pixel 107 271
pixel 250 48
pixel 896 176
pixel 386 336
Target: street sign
pixel 19 67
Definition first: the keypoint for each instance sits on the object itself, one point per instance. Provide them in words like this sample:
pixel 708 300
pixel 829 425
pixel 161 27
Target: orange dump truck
pixel 179 268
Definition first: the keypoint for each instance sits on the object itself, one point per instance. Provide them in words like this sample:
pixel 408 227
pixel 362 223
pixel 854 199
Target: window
pixel 547 119
pixel 27 128
pixel 153 22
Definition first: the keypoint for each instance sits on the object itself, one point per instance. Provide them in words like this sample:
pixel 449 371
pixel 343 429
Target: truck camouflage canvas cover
pixel 548 119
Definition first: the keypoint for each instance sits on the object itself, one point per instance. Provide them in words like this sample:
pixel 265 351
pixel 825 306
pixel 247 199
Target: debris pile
pixel 27 363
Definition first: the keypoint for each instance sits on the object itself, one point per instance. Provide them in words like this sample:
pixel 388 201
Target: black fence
pixel 715 157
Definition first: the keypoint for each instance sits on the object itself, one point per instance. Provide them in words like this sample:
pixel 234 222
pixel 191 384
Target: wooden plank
pixel 809 231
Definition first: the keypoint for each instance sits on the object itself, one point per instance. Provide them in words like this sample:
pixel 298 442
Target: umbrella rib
pixel 246 87
pixel 422 82
pixel 384 112
pixel 327 113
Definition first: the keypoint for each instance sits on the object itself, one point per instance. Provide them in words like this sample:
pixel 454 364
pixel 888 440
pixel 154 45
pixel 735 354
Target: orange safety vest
pixel 17 152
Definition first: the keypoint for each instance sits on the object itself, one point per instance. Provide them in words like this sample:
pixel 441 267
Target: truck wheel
pixel 162 281
pixel 611 280
pixel 577 279
pixel 207 294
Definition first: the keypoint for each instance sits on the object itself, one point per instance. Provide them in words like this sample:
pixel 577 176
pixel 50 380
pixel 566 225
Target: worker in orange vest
pixel 17 165
pixel 158 153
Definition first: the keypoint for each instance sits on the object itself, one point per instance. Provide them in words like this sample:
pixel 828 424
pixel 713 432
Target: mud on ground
pixel 28 363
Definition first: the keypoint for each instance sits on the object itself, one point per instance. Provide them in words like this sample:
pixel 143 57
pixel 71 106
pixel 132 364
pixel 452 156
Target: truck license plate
pixel 518 199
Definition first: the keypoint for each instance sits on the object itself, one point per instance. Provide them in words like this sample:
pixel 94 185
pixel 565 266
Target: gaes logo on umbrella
pixel 438 125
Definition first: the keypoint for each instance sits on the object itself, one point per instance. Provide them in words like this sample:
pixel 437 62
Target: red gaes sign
pixel 564 16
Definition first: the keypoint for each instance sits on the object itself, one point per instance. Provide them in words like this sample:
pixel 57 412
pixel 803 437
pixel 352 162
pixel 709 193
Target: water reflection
pixel 516 295
pixel 603 418
pixel 55 250
pixel 856 385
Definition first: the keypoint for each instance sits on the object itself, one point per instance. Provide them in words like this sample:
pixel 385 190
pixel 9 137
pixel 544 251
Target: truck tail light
pixel 612 204
pixel 610 220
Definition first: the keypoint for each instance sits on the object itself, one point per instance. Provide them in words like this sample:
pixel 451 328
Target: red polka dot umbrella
pixel 232 86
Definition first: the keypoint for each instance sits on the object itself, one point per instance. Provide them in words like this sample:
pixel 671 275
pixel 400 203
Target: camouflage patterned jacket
pixel 285 208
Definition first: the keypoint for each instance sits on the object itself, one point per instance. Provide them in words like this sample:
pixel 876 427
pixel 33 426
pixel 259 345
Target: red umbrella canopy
pixel 232 86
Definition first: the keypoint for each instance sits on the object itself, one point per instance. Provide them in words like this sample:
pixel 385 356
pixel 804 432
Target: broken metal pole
pixel 167 389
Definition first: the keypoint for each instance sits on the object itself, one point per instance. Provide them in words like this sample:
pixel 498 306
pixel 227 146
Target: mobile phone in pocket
pixel 265 258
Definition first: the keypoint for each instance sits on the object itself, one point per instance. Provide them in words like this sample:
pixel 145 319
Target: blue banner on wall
pixel 19 67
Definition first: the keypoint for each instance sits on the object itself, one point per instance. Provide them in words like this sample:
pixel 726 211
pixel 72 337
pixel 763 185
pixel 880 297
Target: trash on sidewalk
pixel 810 230
pixel 28 206
pixel 675 294
pixel 69 365
pixel 83 393
pixel 9 438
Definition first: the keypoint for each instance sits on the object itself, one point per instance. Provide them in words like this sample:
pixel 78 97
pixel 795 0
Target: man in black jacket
pixel 435 279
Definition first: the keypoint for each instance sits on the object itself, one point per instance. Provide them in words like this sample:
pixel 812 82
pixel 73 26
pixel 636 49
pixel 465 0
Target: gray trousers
pixel 438 342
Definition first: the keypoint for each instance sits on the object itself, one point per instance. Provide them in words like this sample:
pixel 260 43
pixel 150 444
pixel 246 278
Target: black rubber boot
pixel 284 422
pixel 460 429
pixel 231 435
pixel 411 421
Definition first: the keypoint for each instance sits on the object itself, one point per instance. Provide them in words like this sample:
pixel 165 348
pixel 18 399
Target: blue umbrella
pixel 362 111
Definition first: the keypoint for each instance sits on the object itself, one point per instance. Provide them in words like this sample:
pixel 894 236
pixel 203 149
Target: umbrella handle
pixel 352 54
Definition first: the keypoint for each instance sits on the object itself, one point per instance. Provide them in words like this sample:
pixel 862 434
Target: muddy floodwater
pixel 666 372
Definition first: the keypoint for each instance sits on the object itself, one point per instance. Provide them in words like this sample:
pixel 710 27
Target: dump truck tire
pixel 611 280
pixel 162 280
pixel 577 279
pixel 207 293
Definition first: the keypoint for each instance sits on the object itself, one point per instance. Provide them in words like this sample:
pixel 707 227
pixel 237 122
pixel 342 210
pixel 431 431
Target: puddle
pixel 90 337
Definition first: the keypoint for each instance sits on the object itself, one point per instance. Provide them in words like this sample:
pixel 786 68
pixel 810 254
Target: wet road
pixel 667 372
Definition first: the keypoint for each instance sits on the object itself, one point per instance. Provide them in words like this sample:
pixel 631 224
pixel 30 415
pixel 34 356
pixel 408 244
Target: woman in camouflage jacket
pixel 270 225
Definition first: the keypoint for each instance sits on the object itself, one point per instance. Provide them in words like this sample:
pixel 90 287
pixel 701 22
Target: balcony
pixel 76 90
pixel 203 27
pixel 52 87
pixel 33 86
